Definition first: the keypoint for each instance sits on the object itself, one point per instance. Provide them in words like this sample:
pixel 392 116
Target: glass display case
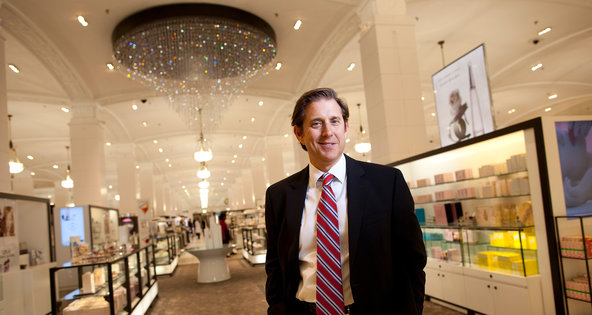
pixel 575 241
pixel 484 208
pixel 166 251
pixel 124 283
pixel 254 244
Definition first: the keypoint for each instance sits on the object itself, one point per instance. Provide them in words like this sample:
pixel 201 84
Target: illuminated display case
pixel 485 212
pixel 123 284
pixel 254 244
pixel 166 253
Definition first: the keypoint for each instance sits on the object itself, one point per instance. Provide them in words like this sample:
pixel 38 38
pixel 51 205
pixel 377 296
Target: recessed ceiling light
pixel 262 159
pixel 511 111
pixel 117 197
pixel 30 157
pixel 544 31
pixel 348 140
pixel 166 160
pixel 55 166
pixel 244 137
pixel 278 66
pixel 110 186
pixel 155 141
pixel 351 66
pixel 422 98
pixel 433 114
pixel 235 156
pixel 285 135
pixel 260 103
pixel 183 186
pixel 137 166
pixel 82 21
pixel 297 25
pixel 552 96
pixel 65 109
pixel 170 165
pixel 110 66
pixel 134 107
pixel 240 146
pixel 221 184
pixel 536 67
pixel 108 144
pixel 252 119
pixel 14 68
pixel 32 173
pixel 548 109
pixel 287 174
pixel 145 123
pixel 160 150
pixel 233 161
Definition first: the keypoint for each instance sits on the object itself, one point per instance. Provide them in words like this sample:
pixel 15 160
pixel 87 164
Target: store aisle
pixel 242 294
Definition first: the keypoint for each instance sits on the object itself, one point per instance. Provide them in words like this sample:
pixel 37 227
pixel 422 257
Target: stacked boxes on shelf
pixel 578 288
pixel 572 246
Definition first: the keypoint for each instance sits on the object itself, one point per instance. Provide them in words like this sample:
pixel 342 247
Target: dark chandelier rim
pixel 189 10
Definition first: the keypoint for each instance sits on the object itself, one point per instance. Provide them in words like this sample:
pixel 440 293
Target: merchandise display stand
pixel 28 252
pixel 213 266
pixel 486 218
pixel 254 245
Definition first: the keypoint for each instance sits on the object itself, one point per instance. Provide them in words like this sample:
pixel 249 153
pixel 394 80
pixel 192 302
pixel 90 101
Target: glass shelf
pixel 470 199
pixel 471 179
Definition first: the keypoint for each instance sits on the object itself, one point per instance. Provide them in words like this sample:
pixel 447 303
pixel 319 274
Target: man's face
pixel 323 133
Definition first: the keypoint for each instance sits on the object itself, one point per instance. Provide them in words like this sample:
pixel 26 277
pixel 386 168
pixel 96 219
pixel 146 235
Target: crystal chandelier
pixel 200 55
pixel 203 155
pixel 363 146
pixel 15 166
pixel 68 182
pixel 203 171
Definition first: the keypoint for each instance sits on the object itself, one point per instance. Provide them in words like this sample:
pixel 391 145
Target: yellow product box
pixel 486 259
pixel 505 260
pixel 530 265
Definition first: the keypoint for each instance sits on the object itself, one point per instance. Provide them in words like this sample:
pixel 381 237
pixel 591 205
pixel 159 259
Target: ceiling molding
pixel 539 108
pixel 44 49
pixel 541 83
pixel 326 54
pixel 548 46
pixel 37 98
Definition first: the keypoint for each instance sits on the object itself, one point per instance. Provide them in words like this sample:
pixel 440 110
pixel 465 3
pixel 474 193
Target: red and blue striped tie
pixel 329 287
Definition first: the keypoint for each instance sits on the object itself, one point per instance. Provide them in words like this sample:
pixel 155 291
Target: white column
pixel 23 184
pixel 4 157
pixel 167 207
pixel 248 192
pixel 274 159
pixel 259 183
pixel 391 81
pixel 158 195
pixel 146 170
pixel 88 159
pixel 126 178
pixel 61 196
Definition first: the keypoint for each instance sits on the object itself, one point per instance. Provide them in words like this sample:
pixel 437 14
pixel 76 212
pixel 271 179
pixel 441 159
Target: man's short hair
pixel 313 96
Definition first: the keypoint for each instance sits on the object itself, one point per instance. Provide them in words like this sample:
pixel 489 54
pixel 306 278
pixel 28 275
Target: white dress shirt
pixel 307 253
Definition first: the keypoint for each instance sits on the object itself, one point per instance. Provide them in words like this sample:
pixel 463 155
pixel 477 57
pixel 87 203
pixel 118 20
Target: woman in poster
pixel 7 224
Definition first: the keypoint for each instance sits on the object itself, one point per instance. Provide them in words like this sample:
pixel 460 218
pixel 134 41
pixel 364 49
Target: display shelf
pixel 470 199
pixel 495 215
pixel 121 285
pixel 470 179
pixel 574 235
pixel 254 244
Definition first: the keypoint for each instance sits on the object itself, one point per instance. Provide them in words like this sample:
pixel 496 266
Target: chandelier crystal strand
pixel 200 55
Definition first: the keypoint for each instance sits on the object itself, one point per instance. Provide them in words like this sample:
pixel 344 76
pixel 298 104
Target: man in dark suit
pixel 381 247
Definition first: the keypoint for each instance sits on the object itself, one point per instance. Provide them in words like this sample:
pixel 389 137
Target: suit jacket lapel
pixel 294 207
pixel 356 199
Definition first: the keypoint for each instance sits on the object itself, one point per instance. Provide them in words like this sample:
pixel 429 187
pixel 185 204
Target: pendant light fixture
pixel 203 171
pixel 205 153
pixel 15 166
pixel 363 146
pixel 68 182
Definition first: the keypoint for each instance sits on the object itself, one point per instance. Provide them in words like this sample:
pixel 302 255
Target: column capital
pixel 374 12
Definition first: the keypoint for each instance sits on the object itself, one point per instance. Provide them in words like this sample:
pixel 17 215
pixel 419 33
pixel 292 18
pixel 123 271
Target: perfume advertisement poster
pixel 463 104
pixel 9 246
pixel 574 142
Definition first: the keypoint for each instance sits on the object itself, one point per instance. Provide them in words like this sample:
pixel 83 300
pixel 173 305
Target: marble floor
pixel 244 293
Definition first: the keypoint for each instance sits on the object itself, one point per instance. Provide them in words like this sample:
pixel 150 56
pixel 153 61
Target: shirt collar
pixel 338 170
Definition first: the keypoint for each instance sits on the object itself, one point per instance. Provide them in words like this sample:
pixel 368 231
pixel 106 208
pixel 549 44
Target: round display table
pixel 212 264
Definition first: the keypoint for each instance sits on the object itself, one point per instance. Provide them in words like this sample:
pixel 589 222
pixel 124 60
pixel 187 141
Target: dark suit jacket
pixel 386 251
